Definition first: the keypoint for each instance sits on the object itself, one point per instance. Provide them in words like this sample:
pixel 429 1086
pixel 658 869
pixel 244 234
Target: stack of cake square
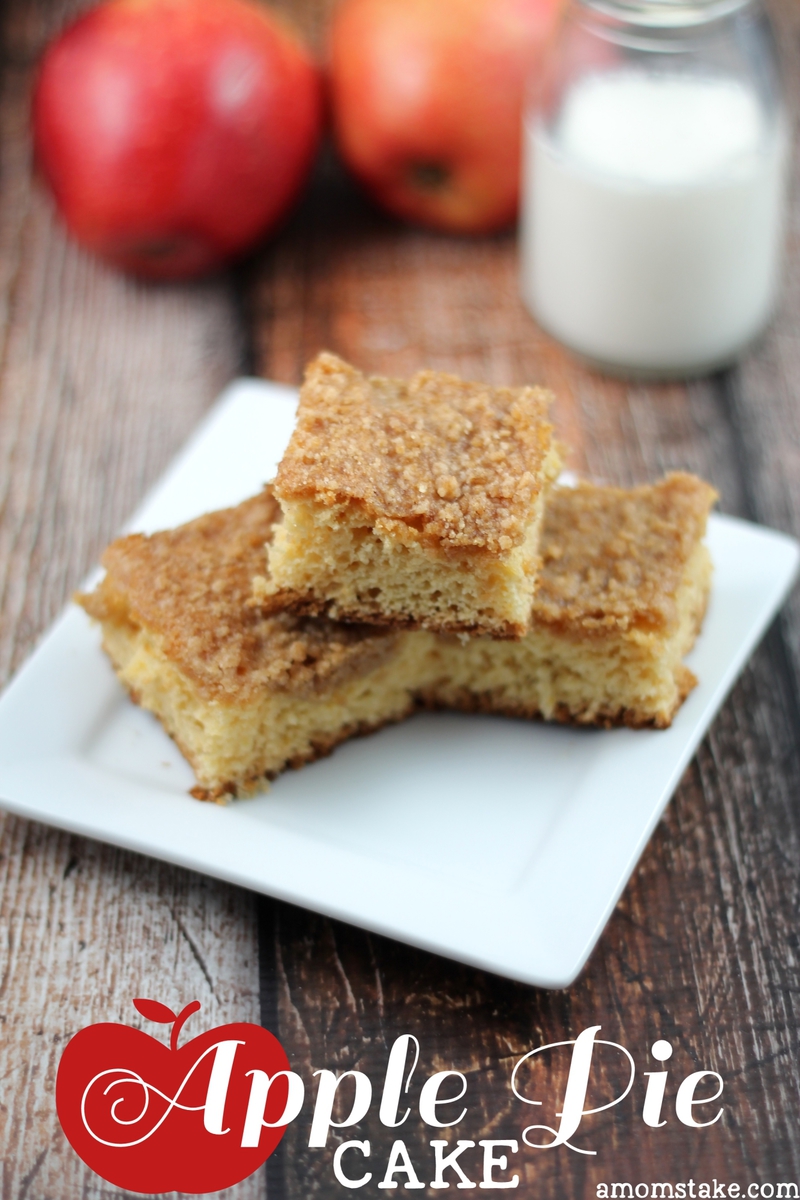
pixel 413 551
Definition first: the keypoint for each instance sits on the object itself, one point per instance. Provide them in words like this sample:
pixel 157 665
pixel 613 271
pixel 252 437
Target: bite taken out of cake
pixel 245 693
pixel 413 504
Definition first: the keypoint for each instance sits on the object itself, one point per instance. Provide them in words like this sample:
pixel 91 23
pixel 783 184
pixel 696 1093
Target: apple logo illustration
pixel 149 1117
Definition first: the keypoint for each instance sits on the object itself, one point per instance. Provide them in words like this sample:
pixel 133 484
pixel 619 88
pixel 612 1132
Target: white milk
pixel 652 217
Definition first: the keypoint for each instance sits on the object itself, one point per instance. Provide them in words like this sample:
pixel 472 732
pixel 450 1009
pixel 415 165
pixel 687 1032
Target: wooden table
pixel 101 379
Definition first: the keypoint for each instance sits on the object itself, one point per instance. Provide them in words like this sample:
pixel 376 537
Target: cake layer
pixel 415 504
pixel 245 694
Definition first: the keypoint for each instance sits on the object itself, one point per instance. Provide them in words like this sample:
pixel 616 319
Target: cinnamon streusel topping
pixel 191 587
pixel 613 558
pixel 460 463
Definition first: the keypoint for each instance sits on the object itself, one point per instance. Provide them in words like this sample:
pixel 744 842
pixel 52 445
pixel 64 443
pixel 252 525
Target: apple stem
pixel 182 1017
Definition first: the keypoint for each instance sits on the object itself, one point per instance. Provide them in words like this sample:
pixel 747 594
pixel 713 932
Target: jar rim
pixel 666 14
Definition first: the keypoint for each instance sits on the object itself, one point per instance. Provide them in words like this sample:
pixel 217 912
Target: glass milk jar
pixel 654 180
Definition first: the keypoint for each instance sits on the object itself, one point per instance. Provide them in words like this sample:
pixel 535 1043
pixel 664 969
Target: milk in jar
pixel 652 217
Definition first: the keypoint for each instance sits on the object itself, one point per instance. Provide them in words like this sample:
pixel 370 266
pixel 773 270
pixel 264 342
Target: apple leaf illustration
pixel 154 1011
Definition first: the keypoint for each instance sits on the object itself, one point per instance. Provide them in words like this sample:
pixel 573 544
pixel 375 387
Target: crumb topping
pixel 191 586
pixel 462 464
pixel 613 558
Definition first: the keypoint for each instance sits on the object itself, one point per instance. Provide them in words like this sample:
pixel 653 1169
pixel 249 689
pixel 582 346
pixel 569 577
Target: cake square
pixel 414 504
pixel 621 597
pixel 242 693
pixel 246 693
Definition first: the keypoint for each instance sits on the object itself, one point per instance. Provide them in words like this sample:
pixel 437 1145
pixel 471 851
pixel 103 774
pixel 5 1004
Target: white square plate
pixel 501 843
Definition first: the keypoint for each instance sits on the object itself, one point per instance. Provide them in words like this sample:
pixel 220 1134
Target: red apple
pixel 427 100
pixel 154 1118
pixel 175 133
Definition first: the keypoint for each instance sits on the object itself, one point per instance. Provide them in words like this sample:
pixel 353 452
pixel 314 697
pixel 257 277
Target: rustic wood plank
pixel 703 948
pixel 101 379
pixel 85 928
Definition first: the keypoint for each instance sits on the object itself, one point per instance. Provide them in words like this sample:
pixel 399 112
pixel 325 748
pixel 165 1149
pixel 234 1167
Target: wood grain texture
pixel 703 947
pixel 101 380
pixel 85 928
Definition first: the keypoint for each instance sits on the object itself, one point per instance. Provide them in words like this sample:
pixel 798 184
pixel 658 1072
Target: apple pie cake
pixel 414 504
pixel 246 692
